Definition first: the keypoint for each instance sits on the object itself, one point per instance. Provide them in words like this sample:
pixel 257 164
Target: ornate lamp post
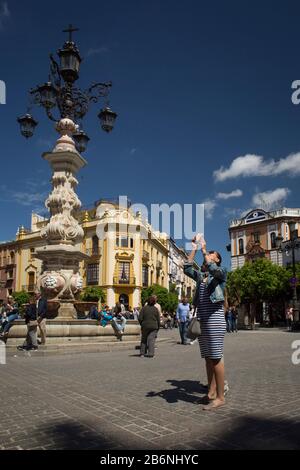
pixel 61 255
pixel 71 102
pixel 291 245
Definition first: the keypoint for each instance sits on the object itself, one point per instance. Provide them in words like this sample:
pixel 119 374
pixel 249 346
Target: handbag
pixel 194 329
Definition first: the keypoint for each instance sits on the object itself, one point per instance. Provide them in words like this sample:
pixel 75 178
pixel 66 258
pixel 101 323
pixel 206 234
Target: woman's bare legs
pixel 212 388
pixel 218 376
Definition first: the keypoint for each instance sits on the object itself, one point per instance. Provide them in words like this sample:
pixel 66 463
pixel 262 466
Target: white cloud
pixel 270 199
pixel 97 51
pixel 209 208
pixel 231 212
pixel 225 196
pixel 4 13
pixel 255 165
pixel 27 199
pixel 31 196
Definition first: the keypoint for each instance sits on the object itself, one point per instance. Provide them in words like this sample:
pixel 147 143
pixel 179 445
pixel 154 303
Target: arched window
pixel 273 239
pixel 241 246
pixel 95 245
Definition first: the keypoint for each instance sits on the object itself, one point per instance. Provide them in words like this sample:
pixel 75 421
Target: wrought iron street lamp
pixel 81 140
pixel 60 277
pixel 61 94
pixel 27 125
pixel 290 246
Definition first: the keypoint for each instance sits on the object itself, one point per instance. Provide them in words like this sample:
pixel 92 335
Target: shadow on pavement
pixel 255 433
pixel 244 432
pixel 68 436
pixel 184 391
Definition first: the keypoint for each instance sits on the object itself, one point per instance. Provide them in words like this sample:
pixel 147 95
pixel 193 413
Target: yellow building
pixel 125 253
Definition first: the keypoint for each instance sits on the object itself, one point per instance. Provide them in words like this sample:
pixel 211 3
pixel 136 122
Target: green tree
pixel 290 275
pixel 257 282
pixel 260 281
pixel 166 299
pixel 93 294
pixel 21 298
pixel 172 301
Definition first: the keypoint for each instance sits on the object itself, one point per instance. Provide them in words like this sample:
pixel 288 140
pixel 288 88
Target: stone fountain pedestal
pixel 60 278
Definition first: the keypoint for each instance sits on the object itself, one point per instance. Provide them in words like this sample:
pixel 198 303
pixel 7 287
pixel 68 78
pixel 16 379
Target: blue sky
pixel 203 93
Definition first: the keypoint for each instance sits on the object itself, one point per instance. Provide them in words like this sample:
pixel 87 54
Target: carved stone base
pixel 60 279
pixel 67 311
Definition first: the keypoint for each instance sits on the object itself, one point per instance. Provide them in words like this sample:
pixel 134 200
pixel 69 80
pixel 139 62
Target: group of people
pixel 35 318
pixel 115 316
pixel 9 312
pixel 231 317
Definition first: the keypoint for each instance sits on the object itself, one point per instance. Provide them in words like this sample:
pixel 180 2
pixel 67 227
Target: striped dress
pixel 213 325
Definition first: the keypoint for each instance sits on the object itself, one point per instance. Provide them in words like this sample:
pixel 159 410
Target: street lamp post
pixel 291 245
pixel 60 278
pixel 60 93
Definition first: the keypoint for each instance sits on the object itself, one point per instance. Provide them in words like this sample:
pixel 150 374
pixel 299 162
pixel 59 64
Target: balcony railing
pixel 159 264
pixel 10 265
pixel 124 281
pixel 146 255
pixel 96 251
pixel 30 287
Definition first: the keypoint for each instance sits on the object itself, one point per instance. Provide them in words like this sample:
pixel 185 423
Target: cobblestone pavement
pixel 117 400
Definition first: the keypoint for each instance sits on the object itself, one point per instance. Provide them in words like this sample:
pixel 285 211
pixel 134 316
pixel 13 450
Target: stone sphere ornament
pixel 76 283
pixel 52 284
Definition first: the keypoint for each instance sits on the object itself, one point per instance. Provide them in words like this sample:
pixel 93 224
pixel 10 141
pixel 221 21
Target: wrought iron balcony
pixel 30 287
pixel 10 265
pixel 124 281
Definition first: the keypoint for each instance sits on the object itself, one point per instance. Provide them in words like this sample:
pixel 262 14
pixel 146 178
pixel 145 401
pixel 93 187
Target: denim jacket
pixel 216 281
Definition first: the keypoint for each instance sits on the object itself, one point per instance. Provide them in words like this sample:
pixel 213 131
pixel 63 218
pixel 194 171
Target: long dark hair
pixel 211 252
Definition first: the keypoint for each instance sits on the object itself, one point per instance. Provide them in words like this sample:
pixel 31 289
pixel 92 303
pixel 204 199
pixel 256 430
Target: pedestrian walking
pixel 149 320
pixel 228 318
pixel 182 316
pixel 289 316
pixel 234 319
pixel 209 298
pixel 42 305
pixel 30 342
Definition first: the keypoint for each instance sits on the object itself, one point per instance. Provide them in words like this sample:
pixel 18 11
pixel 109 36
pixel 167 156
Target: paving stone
pixel 76 401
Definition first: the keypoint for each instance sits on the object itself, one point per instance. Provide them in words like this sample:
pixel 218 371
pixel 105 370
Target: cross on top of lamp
pixel 60 93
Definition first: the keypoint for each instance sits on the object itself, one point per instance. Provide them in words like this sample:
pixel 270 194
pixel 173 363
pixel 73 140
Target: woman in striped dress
pixel 209 299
